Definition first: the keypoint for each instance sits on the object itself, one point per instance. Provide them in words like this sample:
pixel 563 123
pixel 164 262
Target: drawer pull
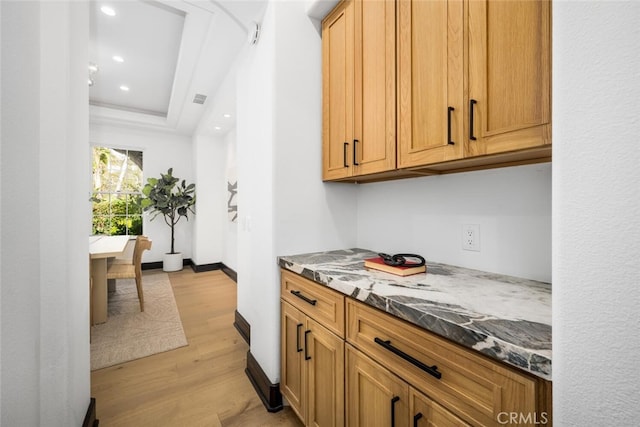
pixel 472 103
pixel 344 153
pixel 306 345
pixel 302 297
pixel 431 370
pixel 355 152
pixel 449 110
pixel 298 348
pixel 416 418
pixel 393 410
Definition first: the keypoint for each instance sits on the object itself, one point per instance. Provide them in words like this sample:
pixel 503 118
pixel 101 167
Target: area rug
pixel 129 334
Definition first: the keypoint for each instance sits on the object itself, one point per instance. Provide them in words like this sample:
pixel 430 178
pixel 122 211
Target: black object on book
pixel 400 260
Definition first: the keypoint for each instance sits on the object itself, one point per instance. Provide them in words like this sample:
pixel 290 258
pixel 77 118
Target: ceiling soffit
pixel 172 51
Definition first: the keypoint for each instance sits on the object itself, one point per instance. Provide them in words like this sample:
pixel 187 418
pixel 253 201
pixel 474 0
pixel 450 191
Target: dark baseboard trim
pixel 269 393
pixel 158 264
pixel 196 268
pixel 230 272
pixel 243 327
pixel 90 418
pixel 151 265
pixel 207 267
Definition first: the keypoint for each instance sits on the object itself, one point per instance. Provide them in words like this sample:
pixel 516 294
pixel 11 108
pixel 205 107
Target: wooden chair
pixel 126 256
pixel 133 270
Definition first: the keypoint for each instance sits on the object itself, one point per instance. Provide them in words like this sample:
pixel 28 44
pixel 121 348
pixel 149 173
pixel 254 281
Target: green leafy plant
pixel 169 197
pixel 116 217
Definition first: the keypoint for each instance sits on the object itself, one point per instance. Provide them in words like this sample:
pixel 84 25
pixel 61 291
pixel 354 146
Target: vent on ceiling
pixel 199 98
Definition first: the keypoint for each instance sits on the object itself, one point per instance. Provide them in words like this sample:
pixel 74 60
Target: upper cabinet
pixel 431 86
pixel 472 88
pixel 337 92
pixel 359 89
pixel 509 75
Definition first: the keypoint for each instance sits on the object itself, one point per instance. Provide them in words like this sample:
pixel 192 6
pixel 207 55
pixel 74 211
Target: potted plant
pixel 172 199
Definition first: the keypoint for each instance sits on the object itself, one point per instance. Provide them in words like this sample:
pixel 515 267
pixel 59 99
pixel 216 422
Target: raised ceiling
pixel 148 55
pixel 172 51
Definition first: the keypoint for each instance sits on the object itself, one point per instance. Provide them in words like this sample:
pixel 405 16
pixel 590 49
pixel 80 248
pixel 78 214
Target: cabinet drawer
pixel 469 385
pixel 322 304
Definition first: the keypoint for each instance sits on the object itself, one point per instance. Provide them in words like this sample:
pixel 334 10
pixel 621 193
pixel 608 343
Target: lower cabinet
pixel 475 389
pixel 292 372
pixel 376 397
pixel 379 398
pixel 377 370
pixel 312 377
pixel 425 412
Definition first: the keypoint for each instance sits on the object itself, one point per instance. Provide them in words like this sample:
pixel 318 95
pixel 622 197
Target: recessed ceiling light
pixel 226 116
pixel 217 128
pixel 124 88
pixel 118 58
pixel 108 11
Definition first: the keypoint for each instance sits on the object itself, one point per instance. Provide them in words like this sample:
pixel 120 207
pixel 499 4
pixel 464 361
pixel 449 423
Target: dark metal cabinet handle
pixel 355 150
pixel 449 111
pixel 344 153
pixel 431 370
pixel 298 348
pixel 394 399
pixel 472 103
pixel 302 297
pixel 306 345
pixel 416 418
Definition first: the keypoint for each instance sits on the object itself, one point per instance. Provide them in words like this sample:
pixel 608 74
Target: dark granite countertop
pixel 504 317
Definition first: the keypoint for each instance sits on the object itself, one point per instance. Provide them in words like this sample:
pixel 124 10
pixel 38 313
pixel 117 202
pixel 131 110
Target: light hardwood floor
pixel 202 384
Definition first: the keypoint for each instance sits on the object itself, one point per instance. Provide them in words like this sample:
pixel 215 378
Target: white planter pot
pixel 172 262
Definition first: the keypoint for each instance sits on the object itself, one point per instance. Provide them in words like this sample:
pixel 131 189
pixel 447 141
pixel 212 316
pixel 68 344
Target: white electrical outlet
pixel 471 237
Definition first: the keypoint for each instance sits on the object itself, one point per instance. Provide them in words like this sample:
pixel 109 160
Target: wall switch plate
pixel 471 237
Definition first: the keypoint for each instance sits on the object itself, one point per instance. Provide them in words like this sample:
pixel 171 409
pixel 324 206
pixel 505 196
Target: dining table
pixel 101 248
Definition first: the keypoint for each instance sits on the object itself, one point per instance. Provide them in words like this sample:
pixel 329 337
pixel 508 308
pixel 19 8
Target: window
pixel 117 183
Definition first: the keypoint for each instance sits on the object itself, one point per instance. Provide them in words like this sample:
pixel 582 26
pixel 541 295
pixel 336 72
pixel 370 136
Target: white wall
pixel 596 213
pixel 256 256
pixel 45 167
pixel 209 158
pixel 161 150
pixel 20 102
pixel 1 222
pixel 229 229
pixel 216 160
pixel 512 206
pixel 283 205
pixel 309 215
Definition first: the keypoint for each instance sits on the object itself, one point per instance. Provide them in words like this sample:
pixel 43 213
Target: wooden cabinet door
pixel 374 136
pixel 338 92
pixel 430 80
pixel 425 412
pixel 509 75
pixel 324 356
pixel 473 387
pixel 292 381
pixel 374 394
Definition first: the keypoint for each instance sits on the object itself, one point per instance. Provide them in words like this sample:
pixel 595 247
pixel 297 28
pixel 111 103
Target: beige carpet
pixel 130 334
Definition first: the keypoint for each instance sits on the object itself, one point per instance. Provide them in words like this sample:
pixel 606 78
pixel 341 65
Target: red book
pixel 378 264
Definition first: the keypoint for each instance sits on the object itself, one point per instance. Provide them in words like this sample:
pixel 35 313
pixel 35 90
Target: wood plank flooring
pixel 202 384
